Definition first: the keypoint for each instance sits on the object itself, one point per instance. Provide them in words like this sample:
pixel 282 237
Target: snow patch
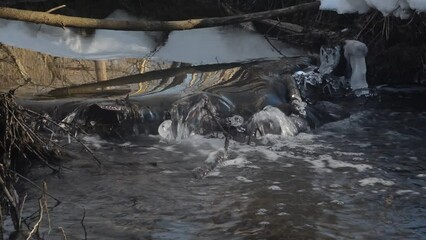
pixel 399 8
pixel 197 46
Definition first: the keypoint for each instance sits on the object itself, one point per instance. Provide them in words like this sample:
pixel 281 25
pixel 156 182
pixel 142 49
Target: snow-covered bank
pixel 399 8
pixel 209 45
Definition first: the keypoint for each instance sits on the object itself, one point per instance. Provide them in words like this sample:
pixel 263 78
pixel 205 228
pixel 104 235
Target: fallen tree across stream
pixel 144 25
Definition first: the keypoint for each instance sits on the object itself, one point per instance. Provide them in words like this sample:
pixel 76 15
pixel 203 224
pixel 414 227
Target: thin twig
pixel 56 8
pixel 46 207
pixel 37 225
pixel 69 133
pixel 37 186
pixel 82 224
pixel 366 25
pixel 63 233
pixel 21 210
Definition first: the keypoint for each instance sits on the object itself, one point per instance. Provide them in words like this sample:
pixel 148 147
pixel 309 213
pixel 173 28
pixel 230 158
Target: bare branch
pixel 143 25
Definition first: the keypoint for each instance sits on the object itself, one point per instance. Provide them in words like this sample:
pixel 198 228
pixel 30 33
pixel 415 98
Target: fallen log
pixel 144 25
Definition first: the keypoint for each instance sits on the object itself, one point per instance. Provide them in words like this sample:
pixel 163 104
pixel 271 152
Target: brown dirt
pixel 48 72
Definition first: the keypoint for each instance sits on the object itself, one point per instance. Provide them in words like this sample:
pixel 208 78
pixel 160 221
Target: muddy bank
pixel 45 72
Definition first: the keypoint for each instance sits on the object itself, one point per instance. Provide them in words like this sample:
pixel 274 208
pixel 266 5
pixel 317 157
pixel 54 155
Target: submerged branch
pixel 139 78
pixel 143 25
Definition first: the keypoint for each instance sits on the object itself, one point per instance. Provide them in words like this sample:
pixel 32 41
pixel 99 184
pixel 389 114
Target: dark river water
pixel 363 177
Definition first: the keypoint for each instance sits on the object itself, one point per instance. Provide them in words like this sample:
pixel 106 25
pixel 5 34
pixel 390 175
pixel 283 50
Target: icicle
pixel 355 52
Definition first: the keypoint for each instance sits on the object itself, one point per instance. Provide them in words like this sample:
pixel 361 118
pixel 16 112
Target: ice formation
pixel 355 52
pixel 164 130
pixel 195 115
pixel 329 58
pixel 271 120
pixel 399 8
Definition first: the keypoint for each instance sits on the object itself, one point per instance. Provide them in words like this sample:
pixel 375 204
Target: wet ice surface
pixel 359 178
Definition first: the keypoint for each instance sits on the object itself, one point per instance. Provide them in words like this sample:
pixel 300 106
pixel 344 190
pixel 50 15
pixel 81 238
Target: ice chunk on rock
pixel 271 120
pixel 165 131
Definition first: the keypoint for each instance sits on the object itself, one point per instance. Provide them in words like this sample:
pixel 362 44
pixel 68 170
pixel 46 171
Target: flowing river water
pixel 361 177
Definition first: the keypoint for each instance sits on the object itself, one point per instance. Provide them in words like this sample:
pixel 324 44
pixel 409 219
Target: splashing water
pixel 197 115
pixel 271 120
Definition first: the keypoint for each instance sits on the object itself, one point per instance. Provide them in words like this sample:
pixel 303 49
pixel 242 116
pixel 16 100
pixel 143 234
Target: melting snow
pixel 399 8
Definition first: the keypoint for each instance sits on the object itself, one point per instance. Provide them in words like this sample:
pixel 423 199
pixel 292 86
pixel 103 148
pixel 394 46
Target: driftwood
pixel 143 25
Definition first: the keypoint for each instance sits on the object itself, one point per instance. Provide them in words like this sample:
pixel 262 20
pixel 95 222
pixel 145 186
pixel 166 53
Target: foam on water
pixel 262 212
pixel 243 179
pixel 406 191
pixel 238 162
pixel 327 163
pixel 274 188
pixel 373 181
pixel 348 153
pixel 95 141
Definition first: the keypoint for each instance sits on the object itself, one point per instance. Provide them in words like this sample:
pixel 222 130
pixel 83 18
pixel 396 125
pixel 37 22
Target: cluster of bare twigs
pixel 21 146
